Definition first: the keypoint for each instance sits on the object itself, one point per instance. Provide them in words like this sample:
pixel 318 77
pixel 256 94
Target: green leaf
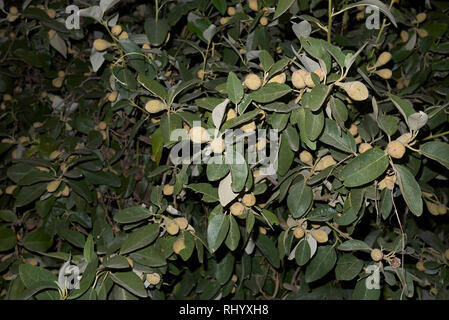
pixel 140 238
pixel 217 231
pixel 221 6
pixel 385 203
pixel 153 86
pixel 321 264
pixel 234 122
pixel 285 156
pixel 283 5
pixel 234 88
pixel 131 282
pixel 404 106
pixel 438 151
pixel 28 194
pixel 353 245
pixel 302 253
pixel 225 268
pixel 314 99
pixel 156 31
pixel 268 249
pixel 270 92
pixel 8 239
pixel 410 189
pixel 348 267
pixel 38 241
pixel 233 238
pixel 30 275
pixel 314 124
pixel 116 262
pixel 102 178
pixel 333 137
pixel 132 214
pixel 365 168
pixel 7 215
pixel 38 286
pixel 210 194
pixel 239 170
pixel 217 168
pixel 299 199
pixel 361 292
pixel 266 60
pixel 189 243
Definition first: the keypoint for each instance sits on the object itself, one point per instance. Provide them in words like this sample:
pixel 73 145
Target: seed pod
pixel 168 190
pixel 116 30
pixel 421 17
pixel 54 155
pixel 253 5
pixel 249 127
pixel 442 209
pixel 353 130
pixel 422 33
pixel 324 163
pixel 356 90
pixel 237 209
pixel 432 207
pixel 37 124
pixel 384 58
pixel 249 200
pixel 231 114
pixel 182 223
pixel 404 36
pixel 57 82
pixel 298 232
pixel 384 73
pixel 171 227
pixel 364 147
pixel 387 182
pixel 396 149
pixel 319 235
pixel 199 135
pixel 178 245
pixel 376 255
pixel 101 44
pixel 153 278
pixel 217 145
pixel 224 20
pixel 280 78
pixel 252 81
pixel 306 157
pixel 123 35
pixel 200 74
pixel 10 189
pixel 420 266
pixel 53 185
pixel 154 106
pixel 263 21
pixel 298 78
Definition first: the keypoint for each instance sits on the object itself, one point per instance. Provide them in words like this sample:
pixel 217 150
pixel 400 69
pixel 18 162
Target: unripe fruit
pixel 168 190
pixel 364 147
pixel 182 223
pixel 154 106
pixel 53 185
pixel 171 227
pixel 237 209
pixel 356 90
pixel 360 15
pixel 37 124
pixel 249 200
pixel 253 5
pixel 61 74
pixel 57 82
pixel 298 232
pixel 358 139
pixel 324 163
pixel 309 81
pixel 442 209
pixel 387 182
pixel 262 230
pixel 200 74
pixel 298 78
pixel 102 125
pixel 231 114
pixel 280 78
pixel 320 74
pixel 249 127
pixel 421 17
pixel 231 11
pixel 261 144
pixel 116 30
pixel 384 73
pixel 178 245
pixel 319 235
pixel 432 207
pixel 376 255
pixel 353 130
pixel 54 155
pixel 10 189
pixel 112 96
pixel 217 145
pixel 420 266
pixel 405 138
pixel 66 191
pixel 101 44
pixel 396 149
pixel 252 81
pixel 199 135
pixel 123 35
pixel 306 157
pixel 224 20
pixel 153 278
pixel 446 254
pixel 422 33
pixel 14 10
pixel 263 21
pixel 7 97
pixel 130 262
pixel 51 13
pixel 384 58
pixel 146 46
pixel 234 278
pixel 404 36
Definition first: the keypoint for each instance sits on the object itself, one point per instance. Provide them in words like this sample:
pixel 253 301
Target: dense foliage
pixel 355 209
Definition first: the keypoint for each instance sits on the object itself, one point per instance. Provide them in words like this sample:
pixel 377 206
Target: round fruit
pixel 404 36
pixel 153 278
pixel 182 223
pixel 396 149
pixel 249 200
pixel 376 255
pixel 319 235
pixel 384 58
pixel 57 82
pixel 154 106
pixel 298 232
pixel 306 157
pixel 309 81
pixel 422 33
pixel 123 35
pixel 446 254
pixel 358 139
pixel 116 30
pixel 421 17
pixel 405 138
pixel 356 90
pixel 442 209
pixel 420 266
pixel 253 5
pixel 146 46
pixel 249 127
pixel 353 130
pixel 384 73
pixel 325 162
pixel 432 207
pixel 171 227
pixel 224 20
pixel 10 189
pixel 231 11
pixel 199 135
pixel 178 245
pixel 387 182
pixel 61 74
pixel 14 10
pixel 237 209
pixel 54 155
pixel 200 74
pixel 263 21
pixel 252 81
pixel 53 185
pixel 231 114
pixel 298 79
pixel 280 78
pixel 234 278
pixel 364 147
pixel 320 74
pixel 168 190
pixel 112 96
pixel 101 44
pixel 217 145
pixel 66 191
pixel 102 125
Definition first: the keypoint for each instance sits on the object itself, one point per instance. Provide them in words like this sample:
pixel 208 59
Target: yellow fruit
pixel 280 78
pixel 123 35
pixel 182 223
pixel 396 149
pixel 319 235
pixel 224 20
pixel 116 30
pixel 261 144
pixel 298 78
pixel 353 130
pixel 153 278
pixel 384 73
pixel 7 97
pixel 360 15
pixel 364 147
pixel 61 74
pixel 37 124
pixel 10 189
pixel 24 139
pixel 306 157
pixel 146 46
pixel 432 207
pixel 404 36
pixel 66 191
pixel 309 81
pixel 231 114
pixel 154 106
pixel 253 5
pixel 422 33
pixel 356 90
pixel 421 17
pixel 298 232
pixel 178 245
pixel 384 58
pixel 249 200
pixel 358 139
pixel 234 278
pixel 200 74
pixel 237 209
pixel 130 262
pixel 320 74
pixel 263 21
pixel 57 82
pixel 54 155
pixel 31 261
pixel 217 145
pixel 324 163
pixel 249 127
pixel 171 227
pixel 262 230
pixel 387 182
pixel 102 125
pixel 446 254
pixel 53 185
pixel 376 255
pixel 252 81
pixel 442 209
pixel 231 11
pixel 168 190
pixel 14 10
pixel 199 135
pixel 101 44
pixel 420 266
pixel 405 138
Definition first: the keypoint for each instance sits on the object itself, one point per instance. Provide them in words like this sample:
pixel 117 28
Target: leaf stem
pixel 433 136
pixel 329 24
